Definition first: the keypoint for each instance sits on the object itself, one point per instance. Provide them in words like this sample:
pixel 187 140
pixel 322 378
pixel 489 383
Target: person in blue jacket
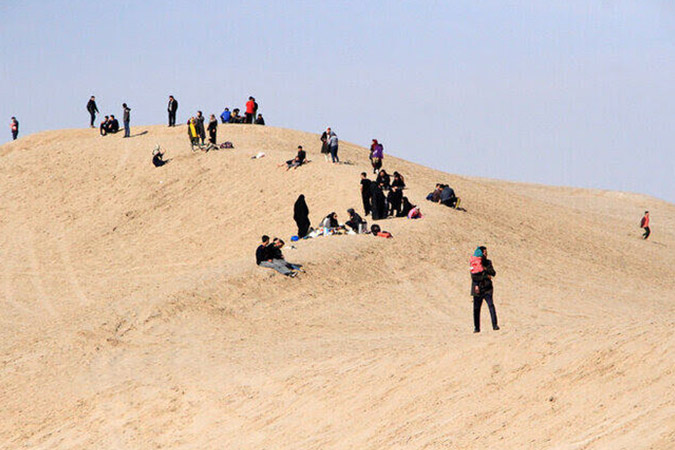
pixel 225 116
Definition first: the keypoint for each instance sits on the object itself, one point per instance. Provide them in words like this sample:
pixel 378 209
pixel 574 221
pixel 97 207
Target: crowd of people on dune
pixel 381 198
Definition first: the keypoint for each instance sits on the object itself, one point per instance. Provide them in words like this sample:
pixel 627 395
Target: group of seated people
pixel 233 116
pixel 268 254
pixel 109 125
pixel 444 195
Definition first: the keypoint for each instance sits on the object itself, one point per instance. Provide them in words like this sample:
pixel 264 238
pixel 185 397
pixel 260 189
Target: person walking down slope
pixel 481 287
pixel 172 107
pixel 126 118
pixel 333 145
pixel 644 224
pixel 212 129
pixel 301 216
pixel 14 126
pixel 92 109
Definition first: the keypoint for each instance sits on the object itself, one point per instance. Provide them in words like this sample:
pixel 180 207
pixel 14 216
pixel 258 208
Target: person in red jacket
pixel 250 110
pixel 644 223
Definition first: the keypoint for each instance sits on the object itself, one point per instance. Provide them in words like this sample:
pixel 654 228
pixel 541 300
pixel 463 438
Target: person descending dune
pixel 644 224
pixel 481 287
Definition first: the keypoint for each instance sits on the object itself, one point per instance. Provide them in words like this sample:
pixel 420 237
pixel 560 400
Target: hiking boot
pixel 495 328
pixel 476 330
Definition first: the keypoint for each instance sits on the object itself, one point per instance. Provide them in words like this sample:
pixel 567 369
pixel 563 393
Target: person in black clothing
pixel 91 107
pixel 354 221
pixel 298 160
pixel 114 125
pixel 384 179
pixel 378 201
pixel 212 129
pixel 14 126
pixel 481 289
pixel 301 216
pixel 172 108
pixel 103 128
pixel 405 208
pixel 365 192
pixel 199 126
pixel 394 199
pixel 398 181
pixel 158 157
pixel 262 253
pixel 259 120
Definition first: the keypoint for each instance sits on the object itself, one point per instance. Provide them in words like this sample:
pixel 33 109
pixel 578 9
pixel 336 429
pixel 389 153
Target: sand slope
pixel 134 315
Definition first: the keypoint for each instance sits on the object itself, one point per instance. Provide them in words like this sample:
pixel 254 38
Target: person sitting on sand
pixel 330 221
pixel 405 208
pixel 415 213
pixel 383 179
pixel 376 155
pixel 264 257
pixel 158 157
pixel 448 197
pixel 298 160
pixel 235 117
pixel 278 257
pixel 103 128
pixel 399 181
pixel 225 116
pixel 114 125
pixel 259 120
pixel 435 196
pixel 355 222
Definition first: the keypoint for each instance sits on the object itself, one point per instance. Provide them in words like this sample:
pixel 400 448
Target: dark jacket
pixel 127 114
pixel 213 126
pixel 262 253
pixel 173 106
pixel 199 126
pixel 91 106
pixel 482 279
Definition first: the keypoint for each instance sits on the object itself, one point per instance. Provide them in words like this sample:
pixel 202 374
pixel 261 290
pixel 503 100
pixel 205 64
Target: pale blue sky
pixel 563 92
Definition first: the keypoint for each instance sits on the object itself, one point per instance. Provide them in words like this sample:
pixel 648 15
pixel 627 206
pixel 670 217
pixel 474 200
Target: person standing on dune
pixel 172 108
pixel 481 287
pixel 250 110
pixel 126 118
pixel 14 126
pixel 93 109
pixel 644 224
pixel 301 216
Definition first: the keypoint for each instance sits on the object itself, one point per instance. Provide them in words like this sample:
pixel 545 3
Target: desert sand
pixel 134 316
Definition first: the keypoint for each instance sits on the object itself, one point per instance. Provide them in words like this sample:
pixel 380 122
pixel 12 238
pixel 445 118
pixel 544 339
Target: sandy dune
pixel 133 315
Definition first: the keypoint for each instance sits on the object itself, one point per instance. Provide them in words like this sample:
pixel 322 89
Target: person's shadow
pixel 140 134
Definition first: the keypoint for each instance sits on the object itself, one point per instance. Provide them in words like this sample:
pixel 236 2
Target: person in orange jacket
pixel 644 223
pixel 250 110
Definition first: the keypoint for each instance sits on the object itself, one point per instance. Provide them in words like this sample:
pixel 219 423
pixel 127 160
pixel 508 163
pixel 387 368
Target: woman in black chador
pixel 301 216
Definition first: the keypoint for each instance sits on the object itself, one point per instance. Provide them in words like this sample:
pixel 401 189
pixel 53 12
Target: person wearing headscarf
pixel 354 220
pixel 482 273
pixel 301 216
pixel 376 155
